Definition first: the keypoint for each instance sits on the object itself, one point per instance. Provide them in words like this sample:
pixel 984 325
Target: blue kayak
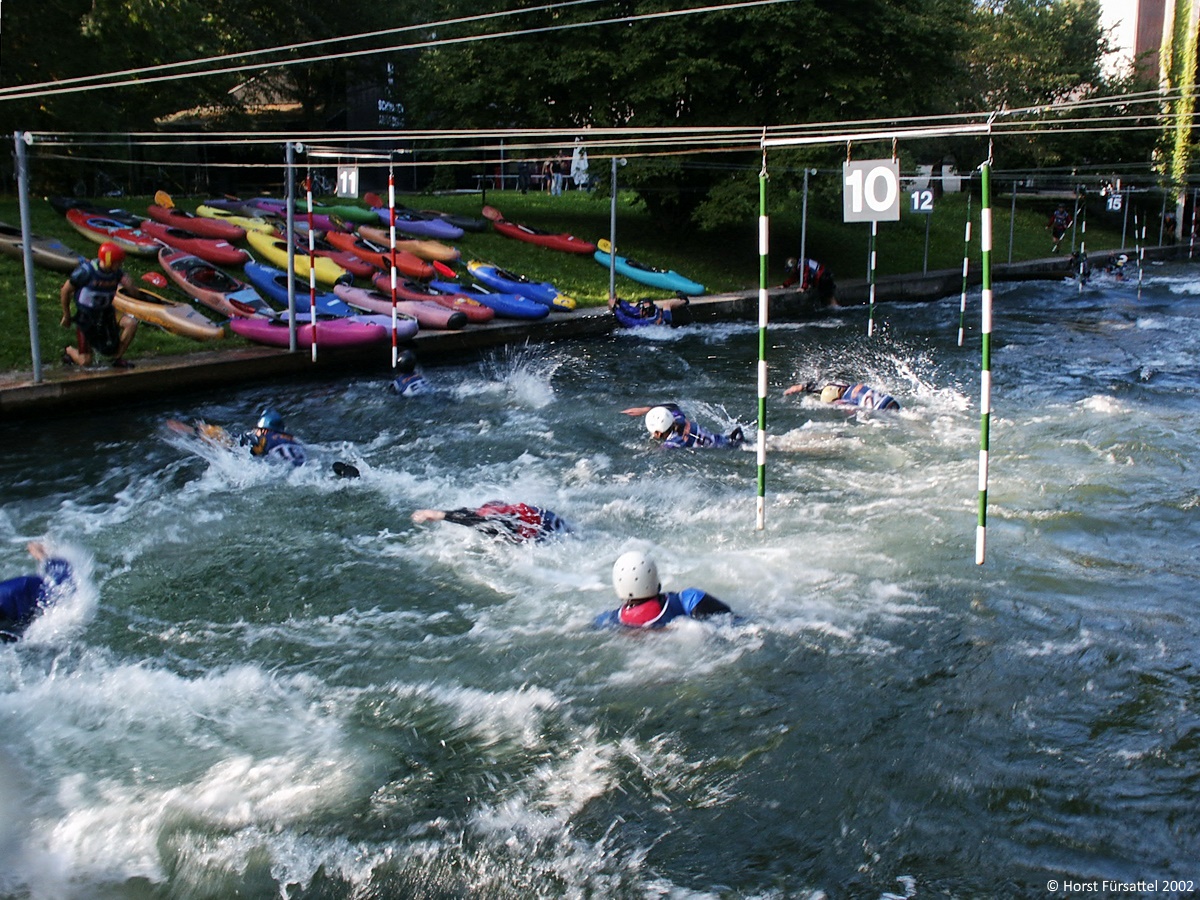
pixel 508 306
pixel 510 283
pixel 273 283
pixel 664 279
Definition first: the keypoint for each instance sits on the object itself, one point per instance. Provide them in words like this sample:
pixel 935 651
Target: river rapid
pixel 271 683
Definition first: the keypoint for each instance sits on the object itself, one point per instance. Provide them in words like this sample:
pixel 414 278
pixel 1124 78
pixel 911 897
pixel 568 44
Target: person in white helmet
pixel 669 424
pixel 645 605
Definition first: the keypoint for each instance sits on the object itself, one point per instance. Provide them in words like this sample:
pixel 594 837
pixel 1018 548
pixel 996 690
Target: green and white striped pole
pixel 871 279
pixel 985 377
pixel 962 304
pixel 763 303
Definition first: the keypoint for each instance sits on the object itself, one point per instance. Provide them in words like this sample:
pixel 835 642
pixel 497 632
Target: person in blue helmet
pixel 268 439
pixel 24 598
pixel 645 604
pixel 840 394
pixel 514 522
pixel 94 284
pixel 650 312
pixel 411 382
pixel 668 423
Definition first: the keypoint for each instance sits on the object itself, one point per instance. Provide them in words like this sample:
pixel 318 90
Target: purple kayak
pixel 412 222
pixel 348 332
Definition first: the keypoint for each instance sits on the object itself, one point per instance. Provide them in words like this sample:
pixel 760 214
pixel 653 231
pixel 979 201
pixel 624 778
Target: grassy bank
pixel 724 260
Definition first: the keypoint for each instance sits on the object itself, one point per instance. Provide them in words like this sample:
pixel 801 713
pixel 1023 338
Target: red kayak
pixel 355 265
pixel 381 257
pixel 414 290
pixel 212 287
pixel 102 228
pixel 217 251
pixel 567 243
pixel 205 227
pixel 427 314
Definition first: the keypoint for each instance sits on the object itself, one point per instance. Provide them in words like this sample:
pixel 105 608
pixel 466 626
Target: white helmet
pixel 659 420
pixel 635 576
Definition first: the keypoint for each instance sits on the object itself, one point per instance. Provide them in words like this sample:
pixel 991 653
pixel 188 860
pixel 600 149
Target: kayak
pixel 273 283
pixel 506 306
pixel 425 249
pixel 567 243
pixel 355 265
pixel 331 333
pixel 124 216
pixel 245 222
pixel 412 222
pixel 418 290
pixel 274 249
pixel 217 251
pixel 466 223
pixel 205 227
pixel 667 280
pixel 169 315
pixel 211 286
pixel 509 282
pixel 101 228
pixel 50 253
pixel 379 255
pixel 267 206
pixel 427 314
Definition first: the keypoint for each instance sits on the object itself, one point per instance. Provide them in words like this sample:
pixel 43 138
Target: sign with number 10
pixel 871 191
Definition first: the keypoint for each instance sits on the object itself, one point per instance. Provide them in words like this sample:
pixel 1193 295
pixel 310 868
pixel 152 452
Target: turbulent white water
pixel 272 684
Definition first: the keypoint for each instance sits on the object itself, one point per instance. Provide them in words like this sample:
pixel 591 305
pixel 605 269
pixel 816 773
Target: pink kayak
pixel 428 315
pixel 330 332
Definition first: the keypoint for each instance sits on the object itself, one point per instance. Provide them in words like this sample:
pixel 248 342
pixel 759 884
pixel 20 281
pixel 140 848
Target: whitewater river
pixel 272 684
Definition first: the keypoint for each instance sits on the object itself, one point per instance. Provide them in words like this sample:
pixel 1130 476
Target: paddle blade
pixel 345 470
pixel 603 245
pixel 155 278
pixel 372 199
pixel 442 269
pixel 490 212
pixel 163 199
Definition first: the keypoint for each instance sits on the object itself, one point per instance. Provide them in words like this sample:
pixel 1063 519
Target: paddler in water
pixel 860 395
pixel 411 382
pixel 645 605
pixel 24 598
pixel 266 439
pixel 515 522
pixel 668 423
pixel 650 312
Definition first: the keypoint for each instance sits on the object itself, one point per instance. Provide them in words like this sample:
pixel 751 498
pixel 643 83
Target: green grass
pixel 723 260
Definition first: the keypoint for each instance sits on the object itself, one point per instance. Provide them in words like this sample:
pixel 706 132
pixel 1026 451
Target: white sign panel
pixel 347 181
pixel 871 191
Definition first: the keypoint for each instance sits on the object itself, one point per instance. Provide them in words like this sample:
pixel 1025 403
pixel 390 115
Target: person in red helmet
pixel 93 285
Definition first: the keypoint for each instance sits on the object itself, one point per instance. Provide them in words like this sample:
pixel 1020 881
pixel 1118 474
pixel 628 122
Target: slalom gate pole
pixel 35 350
pixel 291 245
pixel 1125 215
pixel 985 375
pixel 763 302
pixel 1141 257
pixel 1082 248
pixel 962 303
pixel 871 279
pixel 312 266
pixel 1162 220
pixel 392 239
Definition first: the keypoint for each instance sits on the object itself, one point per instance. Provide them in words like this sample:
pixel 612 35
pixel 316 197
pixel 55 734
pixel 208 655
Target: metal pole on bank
pixel 1012 223
pixel 804 225
pixel 962 303
pixel 612 234
pixel 21 140
pixel 985 375
pixel 291 245
pixel 763 302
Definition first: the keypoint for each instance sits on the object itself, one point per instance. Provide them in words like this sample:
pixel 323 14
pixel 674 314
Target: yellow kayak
pixel 169 315
pixel 274 250
pixel 250 223
pixel 428 249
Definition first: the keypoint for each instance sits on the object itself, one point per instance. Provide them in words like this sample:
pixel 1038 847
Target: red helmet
pixel 110 255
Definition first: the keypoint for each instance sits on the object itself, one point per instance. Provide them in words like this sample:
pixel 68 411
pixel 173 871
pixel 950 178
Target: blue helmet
pixel 271 419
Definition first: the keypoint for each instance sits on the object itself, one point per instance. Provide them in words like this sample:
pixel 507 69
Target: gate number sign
pixel 347 181
pixel 871 191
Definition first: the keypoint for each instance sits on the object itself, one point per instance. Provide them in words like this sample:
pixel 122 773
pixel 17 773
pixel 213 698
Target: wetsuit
pixel 687 434
pixel 23 598
pixel 275 445
pixel 95 319
pixel 631 315
pixel 514 522
pixel 1060 221
pixel 412 385
pixel 658 611
pixel 868 398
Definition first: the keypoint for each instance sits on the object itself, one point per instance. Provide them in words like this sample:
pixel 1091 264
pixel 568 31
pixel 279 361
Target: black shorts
pixel 99 328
